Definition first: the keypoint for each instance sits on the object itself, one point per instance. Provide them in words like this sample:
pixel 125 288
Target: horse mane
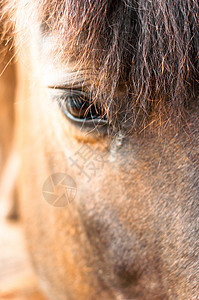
pixel 147 49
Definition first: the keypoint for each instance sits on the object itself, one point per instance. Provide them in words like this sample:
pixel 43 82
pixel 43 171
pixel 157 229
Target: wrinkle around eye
pixel 73 85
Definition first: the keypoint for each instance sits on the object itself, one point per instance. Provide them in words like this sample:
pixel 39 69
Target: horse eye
pixel 79 107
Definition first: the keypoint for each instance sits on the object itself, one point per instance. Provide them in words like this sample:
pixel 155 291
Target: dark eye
pixel 79 107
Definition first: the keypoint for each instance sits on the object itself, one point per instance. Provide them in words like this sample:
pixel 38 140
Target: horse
pixel 107 133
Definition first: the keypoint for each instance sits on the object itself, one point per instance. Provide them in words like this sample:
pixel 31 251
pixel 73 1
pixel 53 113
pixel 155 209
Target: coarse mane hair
pixel 149 50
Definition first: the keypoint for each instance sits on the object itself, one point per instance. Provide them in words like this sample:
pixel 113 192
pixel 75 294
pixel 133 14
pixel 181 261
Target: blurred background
pixel 17 280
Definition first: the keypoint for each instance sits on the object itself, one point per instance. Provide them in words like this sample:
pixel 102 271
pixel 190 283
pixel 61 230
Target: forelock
pixel 147 49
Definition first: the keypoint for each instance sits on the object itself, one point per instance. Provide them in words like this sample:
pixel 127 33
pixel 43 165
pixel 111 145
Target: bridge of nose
pixel 118 222
pixel 134 216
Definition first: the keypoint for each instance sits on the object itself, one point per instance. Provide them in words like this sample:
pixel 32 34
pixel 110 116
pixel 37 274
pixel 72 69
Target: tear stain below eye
pixel 115 146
